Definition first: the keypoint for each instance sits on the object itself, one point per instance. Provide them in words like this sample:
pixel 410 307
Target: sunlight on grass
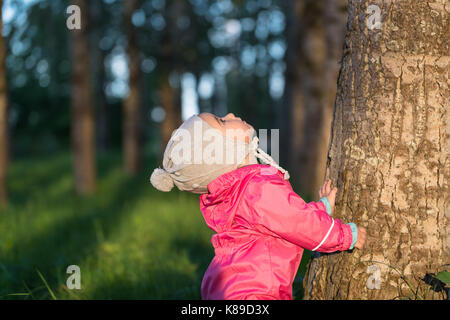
pixel 129 240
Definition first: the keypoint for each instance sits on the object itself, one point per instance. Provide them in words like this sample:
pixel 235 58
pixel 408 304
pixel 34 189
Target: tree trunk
pixel 131 107
pixel 291 95
pixel 103 107
pixel 83 140
pixel 171 60
pixel 170 99
pixel 334 18
pixel 316 30
pixel 3 117
pixel 98 54
pixel 309 103
pixel 389 154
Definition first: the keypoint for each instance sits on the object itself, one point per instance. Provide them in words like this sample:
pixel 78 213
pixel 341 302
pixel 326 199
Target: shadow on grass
pixel 71 239
pixel 161 284
pixel 199 252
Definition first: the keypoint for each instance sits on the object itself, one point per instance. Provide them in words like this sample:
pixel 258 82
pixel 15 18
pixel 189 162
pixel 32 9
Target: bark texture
pixel 131 107
pixel 83 122
pixel 389 153
pixel 3 117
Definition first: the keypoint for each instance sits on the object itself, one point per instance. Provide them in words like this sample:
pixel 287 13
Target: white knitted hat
pixel 191 164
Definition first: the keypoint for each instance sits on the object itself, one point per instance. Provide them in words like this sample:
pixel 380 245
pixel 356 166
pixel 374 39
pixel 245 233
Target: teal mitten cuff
pixel 327 204
pixel 354 234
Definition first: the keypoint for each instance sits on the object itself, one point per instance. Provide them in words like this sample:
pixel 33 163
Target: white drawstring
pixel 324 238
pixel 265 158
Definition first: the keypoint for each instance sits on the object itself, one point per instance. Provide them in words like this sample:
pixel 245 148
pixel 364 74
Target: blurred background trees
pixel 82 116
pixel 132 103
pixel 3 119
pixel 140 67
pixel 315 35
pixel 85 116
pixel 90 112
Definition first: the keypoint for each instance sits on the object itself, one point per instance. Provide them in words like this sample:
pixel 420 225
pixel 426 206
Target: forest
pixel 91 92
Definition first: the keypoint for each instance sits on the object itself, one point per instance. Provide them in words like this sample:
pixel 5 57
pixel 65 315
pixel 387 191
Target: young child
pixel 262 226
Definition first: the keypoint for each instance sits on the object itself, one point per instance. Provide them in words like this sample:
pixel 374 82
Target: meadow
pixel 129 240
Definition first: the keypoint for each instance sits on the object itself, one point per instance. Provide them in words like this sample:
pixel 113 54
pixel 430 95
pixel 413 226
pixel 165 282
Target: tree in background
pixel 3 117
pixel 170 58
pixel 131 106
pixel 83 122
pixel 315 35
pixel 389 153
pixel 100 24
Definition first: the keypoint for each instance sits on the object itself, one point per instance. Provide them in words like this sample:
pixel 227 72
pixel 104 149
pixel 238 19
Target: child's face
pixel 229 122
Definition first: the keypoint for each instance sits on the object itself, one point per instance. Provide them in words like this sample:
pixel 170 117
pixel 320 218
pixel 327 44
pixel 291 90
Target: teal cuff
pixel 354 234
pixel 327 204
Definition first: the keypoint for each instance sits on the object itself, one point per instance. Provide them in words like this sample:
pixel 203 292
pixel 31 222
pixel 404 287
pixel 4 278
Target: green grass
pixel 129 240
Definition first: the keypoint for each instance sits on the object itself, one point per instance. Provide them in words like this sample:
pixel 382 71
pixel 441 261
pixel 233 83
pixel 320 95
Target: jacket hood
pixel 225 192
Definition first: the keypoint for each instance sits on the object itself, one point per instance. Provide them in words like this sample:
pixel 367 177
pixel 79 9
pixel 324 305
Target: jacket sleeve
pixel 277 208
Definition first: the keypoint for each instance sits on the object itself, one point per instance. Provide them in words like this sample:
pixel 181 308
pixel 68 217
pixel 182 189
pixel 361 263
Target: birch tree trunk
pixel 389 153
pixel 3 117
pixel 131 107
pixel 83 140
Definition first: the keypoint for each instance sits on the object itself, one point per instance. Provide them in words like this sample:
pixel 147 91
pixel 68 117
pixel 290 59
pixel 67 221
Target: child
pixel 262 226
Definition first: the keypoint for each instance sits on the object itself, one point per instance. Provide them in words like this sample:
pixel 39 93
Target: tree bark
pixel 389 154
pixel 83 140
pixel 3 117
pixel 131 107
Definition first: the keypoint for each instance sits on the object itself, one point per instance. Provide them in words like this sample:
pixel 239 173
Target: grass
pixel 129 240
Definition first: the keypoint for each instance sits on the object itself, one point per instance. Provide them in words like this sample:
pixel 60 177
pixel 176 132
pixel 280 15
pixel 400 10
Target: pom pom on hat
pixel 161 180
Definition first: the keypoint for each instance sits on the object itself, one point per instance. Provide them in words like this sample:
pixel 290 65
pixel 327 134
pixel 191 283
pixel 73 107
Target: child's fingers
pixel 362 236
pixel 322 190
pixel 332 193
pixel 363 232
pixel 329 186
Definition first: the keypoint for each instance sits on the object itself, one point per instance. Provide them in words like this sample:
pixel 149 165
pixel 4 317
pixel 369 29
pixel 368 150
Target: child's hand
pixel 326 191
pixel 361 238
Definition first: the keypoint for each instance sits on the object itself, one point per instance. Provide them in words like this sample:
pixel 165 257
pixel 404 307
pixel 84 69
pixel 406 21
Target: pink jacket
pixel 262 227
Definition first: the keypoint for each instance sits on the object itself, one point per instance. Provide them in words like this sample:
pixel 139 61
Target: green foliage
pixel 444 276
pixel 129 240
pixel 39 64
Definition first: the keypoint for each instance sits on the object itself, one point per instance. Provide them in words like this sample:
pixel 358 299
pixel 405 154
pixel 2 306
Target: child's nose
pixel 230 115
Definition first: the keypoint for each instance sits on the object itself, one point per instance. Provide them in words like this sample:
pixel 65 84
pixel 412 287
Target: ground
pixel 129 240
